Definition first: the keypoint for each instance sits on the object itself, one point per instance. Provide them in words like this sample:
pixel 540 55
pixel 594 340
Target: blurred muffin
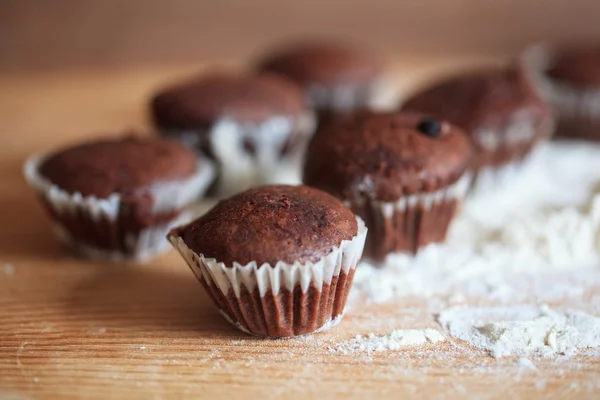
pixel 335 78
pixel 569 80
pixel 402 173
pixel 500 111
pixel 276 260
pixel 254 127
pixel 116 198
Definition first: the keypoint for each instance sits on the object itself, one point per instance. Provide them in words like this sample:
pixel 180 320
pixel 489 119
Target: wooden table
pixel 70 328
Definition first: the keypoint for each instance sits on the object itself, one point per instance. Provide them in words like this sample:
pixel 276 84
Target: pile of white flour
pixel 523 330
pixel 394 340
pixel 531 242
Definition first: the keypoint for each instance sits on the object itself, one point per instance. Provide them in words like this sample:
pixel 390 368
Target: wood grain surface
pixel 71 328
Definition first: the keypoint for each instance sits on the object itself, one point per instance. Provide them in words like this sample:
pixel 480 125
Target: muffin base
pixel 579 127
pixel 119 227
pixel 379 95
pixel 139 247
pixel 578 108
pixel 289 313
pixel 331 323
pixel 281 300
pixel 496 161
pixel 490 179
pixel 410 223
pixel 250 154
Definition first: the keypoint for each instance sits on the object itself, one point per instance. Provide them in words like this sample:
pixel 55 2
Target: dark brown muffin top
pixel 577 66
pixel 126 165
pixel 324 64
pixel 270 224
pixel 197 104
pixel 481 99
pixel 385 155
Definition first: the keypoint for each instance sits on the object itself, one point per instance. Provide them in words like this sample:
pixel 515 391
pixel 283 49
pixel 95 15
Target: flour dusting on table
pixel 536 241
pixel 523 330
pixel 484 292
pixel 394 340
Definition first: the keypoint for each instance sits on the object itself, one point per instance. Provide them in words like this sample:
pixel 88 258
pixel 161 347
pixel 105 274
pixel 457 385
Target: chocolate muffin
pixel 569 80
pixel 276 260
pixel 403 173
pixel 500 111
pixel 254 127
pixel 335 78
pixel 116 198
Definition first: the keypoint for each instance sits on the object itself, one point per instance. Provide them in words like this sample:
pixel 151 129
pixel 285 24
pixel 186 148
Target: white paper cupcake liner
pixel 569 100
pixel 145 245
pixel 518 132
pixel 234 288
pixel 272 279
pixel 380 95
pixel 490 179
pixel 411 222
pixel 240 169
pixel 457 190
pixel 521 140
pixel 98 214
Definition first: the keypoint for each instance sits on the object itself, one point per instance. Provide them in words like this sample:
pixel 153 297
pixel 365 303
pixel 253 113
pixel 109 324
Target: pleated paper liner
pixel 412 221
pixel 283 299
pixel 110 228
pixel 578 107
pixel 252 154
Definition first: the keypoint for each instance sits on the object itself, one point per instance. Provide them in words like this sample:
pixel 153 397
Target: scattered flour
pixel 460 274
pixel 537 240
pixel 394 340
pixel 534 241
pixel 522 330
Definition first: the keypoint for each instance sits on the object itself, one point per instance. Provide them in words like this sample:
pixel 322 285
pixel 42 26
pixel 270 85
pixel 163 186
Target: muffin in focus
pixel 254 127
pixel 501 112
pixel 276 260
pixel 569 80
pixel 334 77
pixel 115 199
pixel 402 173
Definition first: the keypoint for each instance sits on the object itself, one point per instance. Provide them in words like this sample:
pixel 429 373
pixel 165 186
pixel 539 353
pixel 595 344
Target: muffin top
pixel 324 64
pixel 385 155
pixel 577 66
pixel 197 104
pixel 125 165
pixel 483 99
pixel 270 224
